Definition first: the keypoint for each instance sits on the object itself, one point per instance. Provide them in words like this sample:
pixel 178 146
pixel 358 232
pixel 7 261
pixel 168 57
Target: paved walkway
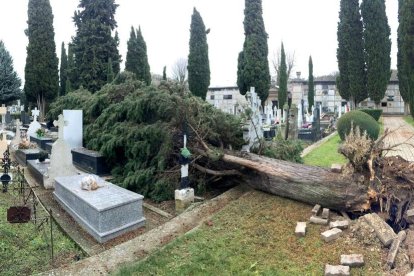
pixel 402 133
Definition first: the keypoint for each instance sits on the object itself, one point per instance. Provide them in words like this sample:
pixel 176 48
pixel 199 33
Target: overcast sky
pixel 306 28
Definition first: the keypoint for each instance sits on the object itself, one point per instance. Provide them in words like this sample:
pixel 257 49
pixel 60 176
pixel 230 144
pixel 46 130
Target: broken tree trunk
pixel 309 184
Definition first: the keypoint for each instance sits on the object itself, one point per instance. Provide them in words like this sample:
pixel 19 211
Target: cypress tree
pixel 94 44
pixel 63 70
pixel 164 73
pixel 407 48
pixel 41 70
pixel 311 86
pixel 136 58
pixel 198 62
pixel 253 65
pixel 377 48
pixel 401 62
pixel 9 81
pixel 282 79
pixel 350 53
pixel 72 73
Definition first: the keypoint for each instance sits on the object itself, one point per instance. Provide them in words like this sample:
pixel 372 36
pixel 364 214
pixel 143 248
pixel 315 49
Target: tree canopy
pixel 377 48
pixel 282 79
pixel 63 70
pixel 41 71
pixel 198 62
pixel 93 44
pixel 9 81
pixel 402 64
pixel 253 64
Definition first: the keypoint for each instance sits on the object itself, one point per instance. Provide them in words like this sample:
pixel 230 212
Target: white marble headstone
pixel 3 111
pixel 73 128
pixel 17 137
pixel 35 125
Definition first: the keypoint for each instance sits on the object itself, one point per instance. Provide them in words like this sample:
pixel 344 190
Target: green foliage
pixel 253 65
pixel 93 44
pixel 377 48
pixel 311 87
pixel 138 129
pixel 63 71
pixel 164 73
pixel 72 74
pixel 326 154
pixel 41 71
pixel 9 81
pixel 374 113
pixel 289 150
pixel 198 63
pixel 282 79
pixel 350 53
pixel 109 72
pixel 358 118
pixel 403 82
pixel 136 59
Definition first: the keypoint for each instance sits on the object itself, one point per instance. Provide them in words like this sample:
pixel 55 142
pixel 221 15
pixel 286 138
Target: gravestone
pixel 316 124
pixel 89 161
pixel 73 128
pixel 3 142
pixel 293 122
pixel 35 125
pixel 3 111
pixel 60 158
pixel 24 155
pixel 340 111
pixel 252 130
pixel 8 117
pixel 106 212
pixel 24 118
pixel 300 116
pixel 17 138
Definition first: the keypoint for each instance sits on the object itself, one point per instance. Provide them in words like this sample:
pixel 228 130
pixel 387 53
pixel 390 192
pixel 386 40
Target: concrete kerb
pixel 307 150
pixel 140 247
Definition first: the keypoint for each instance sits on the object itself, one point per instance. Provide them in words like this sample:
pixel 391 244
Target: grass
pixel 254 236
pixel 25 248
pixel 326 154
pixel 409 120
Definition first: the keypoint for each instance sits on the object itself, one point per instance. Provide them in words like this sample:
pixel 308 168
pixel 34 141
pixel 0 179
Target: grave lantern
pixel 5 179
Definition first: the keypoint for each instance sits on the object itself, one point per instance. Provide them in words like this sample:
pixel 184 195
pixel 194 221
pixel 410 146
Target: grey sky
pixel 306 27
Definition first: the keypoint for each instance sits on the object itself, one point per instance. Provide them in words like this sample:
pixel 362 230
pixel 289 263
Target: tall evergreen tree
pixel 72 74
pixel 350 53
pixel 164 73
pixel 109 72
pixel 41 71
pixel 407 48
pixel 377 48
pixel 136 58
pixel 311 86
pixel 94 44
pixel 9 81
pixel 63 70
pixel 198 62
pixel 402 62
pixel 282 79
pixel 253 64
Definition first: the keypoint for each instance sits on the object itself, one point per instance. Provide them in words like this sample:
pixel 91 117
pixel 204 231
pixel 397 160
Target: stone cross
pixel 3 111
pixel 35 114
pixel 60 123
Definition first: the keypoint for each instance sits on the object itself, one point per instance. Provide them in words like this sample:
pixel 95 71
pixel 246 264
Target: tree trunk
pixel 313 185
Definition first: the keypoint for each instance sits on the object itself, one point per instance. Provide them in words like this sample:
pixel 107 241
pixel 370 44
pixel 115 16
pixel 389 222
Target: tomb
pixel 41 141
pixel 106 212
pixel 38 170
pixel 89 161
pixel 24 155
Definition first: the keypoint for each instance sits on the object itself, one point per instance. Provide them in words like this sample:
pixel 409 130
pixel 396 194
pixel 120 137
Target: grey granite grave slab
pixel 104 213
pixel 23 155
pixel 38 170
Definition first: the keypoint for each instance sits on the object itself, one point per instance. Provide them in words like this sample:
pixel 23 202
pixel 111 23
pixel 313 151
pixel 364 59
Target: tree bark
pixel 309 184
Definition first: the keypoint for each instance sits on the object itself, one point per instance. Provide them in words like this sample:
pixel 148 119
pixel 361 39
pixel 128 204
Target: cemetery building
pixel 229 99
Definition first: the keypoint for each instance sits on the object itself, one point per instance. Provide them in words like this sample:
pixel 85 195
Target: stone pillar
pixel 300 116
pixel 183 199
pixel 293 122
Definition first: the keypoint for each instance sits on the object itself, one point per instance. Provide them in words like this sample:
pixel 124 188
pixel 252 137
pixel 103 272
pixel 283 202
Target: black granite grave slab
pixel 41 141
pixel 89 161
pixel 38 170
pixel 23 155
pixel 48 147
pixel 8 117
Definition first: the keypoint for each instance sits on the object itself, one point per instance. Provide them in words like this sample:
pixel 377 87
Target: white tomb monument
pixel 35 125
pixel 300 116
pixel 17 137
pixel 252 130
pixel 61 157
pixel 3 111
pixel 73 128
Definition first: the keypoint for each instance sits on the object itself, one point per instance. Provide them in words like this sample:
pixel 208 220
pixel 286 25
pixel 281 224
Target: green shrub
pixel 374 113
pixel 358 118
pixel 289 150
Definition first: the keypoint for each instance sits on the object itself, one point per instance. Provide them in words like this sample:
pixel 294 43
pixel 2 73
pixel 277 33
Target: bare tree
pixel 290 62
pixel 179 71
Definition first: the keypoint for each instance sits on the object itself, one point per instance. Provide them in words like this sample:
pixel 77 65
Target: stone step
pixel 325 213
pixel 383 231
pixel 316 209
pixel 337 270
pixel 341 224
pixel 318 220
pixel 331 235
